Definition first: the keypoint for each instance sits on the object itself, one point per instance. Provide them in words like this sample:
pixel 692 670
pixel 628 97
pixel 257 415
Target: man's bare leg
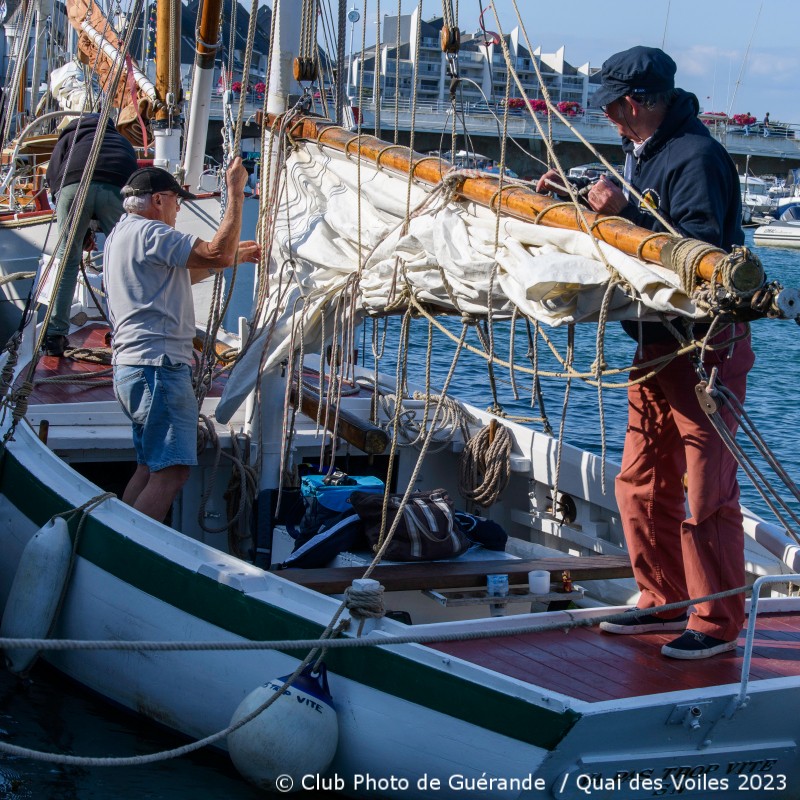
pixel 162 487
pixel 136 484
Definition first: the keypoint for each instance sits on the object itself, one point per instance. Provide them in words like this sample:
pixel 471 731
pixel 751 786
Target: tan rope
pixel 485 465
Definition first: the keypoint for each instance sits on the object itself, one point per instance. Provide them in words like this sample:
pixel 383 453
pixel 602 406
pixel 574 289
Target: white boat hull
pixel 778 234
pixel 408 715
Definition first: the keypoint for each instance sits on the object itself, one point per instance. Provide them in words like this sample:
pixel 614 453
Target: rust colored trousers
pixel 677 552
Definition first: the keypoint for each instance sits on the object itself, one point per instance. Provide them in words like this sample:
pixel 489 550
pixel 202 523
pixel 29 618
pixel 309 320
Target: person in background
pixel 747 124
pixel 766 124
pixel 116 162
pixel 681 172
pixel 149 270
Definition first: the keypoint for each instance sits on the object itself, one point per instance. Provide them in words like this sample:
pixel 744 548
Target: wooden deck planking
pixel 459 574
pixel 590 665
pixel 90 336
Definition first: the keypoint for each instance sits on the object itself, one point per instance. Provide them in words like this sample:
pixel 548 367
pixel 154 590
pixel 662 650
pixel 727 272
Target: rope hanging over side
pixel 485 465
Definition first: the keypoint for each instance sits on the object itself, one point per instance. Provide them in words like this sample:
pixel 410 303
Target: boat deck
pixel 83 389
pixel 590 665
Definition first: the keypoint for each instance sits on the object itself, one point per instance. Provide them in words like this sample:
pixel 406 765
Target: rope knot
pixel 365 601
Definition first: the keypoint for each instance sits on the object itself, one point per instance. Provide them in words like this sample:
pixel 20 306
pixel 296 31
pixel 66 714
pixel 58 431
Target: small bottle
pixel 566 581
pixel 497 586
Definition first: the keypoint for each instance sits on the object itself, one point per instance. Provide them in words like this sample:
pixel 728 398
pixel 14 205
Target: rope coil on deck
pixel 365 602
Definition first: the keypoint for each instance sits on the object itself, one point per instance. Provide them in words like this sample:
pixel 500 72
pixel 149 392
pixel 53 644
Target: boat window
pixel 791 213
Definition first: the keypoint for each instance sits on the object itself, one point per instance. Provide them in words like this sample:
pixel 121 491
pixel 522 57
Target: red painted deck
pixel 84 391
pixel 94 336
pixel 587 664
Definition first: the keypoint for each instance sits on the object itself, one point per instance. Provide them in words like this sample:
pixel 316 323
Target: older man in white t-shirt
pixel 149 270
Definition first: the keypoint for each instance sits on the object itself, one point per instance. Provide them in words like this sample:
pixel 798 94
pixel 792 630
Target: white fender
pixel 36 591
pixel 297 735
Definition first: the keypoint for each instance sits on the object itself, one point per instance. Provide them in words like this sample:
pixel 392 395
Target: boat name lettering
pixel 308 701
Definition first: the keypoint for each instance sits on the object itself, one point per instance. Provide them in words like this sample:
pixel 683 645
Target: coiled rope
pixel 485 465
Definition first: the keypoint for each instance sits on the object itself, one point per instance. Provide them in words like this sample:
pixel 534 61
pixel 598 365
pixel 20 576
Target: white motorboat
pixel 756 198
pixel 782 232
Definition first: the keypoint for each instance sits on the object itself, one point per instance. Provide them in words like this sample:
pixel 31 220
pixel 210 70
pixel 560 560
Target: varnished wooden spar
pixel 521 202
pixel 358 432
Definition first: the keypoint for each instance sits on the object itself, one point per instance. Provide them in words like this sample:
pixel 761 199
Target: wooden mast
pixel 525 204
pixel 167 121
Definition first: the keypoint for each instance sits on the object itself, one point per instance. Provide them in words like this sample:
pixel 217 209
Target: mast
pixel 36 67
pixel 282 84
pixel 202 79
pixel 167 122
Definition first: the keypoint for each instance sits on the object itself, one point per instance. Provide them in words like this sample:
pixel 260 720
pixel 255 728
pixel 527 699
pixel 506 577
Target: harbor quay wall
pixel 526 165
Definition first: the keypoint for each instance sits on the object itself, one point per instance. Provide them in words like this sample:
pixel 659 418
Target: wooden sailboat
pixel 468 698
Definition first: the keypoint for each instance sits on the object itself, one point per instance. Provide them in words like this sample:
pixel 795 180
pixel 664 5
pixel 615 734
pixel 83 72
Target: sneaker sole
pixel 645 627
pixel 695 655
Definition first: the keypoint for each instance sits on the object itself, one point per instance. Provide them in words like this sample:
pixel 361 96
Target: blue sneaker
pixel 691 645
pixel 644 623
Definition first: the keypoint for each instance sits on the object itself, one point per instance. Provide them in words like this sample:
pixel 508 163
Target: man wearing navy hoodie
pixel 115 164
pixel 684 174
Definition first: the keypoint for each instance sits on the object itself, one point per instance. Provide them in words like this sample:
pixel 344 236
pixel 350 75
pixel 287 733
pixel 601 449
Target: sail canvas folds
pixel 334 214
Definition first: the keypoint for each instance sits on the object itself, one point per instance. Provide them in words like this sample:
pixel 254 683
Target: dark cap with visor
pixel 638 71
pixel 151 180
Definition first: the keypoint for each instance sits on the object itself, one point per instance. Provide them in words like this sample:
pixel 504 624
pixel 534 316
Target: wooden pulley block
pixel 304 69
pixel 450 39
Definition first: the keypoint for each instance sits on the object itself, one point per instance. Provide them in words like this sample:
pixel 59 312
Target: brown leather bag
pixel 427 530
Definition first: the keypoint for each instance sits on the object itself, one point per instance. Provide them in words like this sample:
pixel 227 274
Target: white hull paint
pixel 778 234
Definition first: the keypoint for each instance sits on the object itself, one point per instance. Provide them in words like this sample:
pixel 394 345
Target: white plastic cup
pixel 539 582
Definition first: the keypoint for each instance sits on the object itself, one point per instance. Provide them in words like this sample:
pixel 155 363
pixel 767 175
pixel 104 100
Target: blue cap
pixel 640 70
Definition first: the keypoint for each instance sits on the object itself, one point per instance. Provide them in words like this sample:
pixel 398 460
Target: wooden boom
pixel 358 432
pixel 523 203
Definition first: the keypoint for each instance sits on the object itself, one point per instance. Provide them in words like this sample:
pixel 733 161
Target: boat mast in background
pixel 167 121
pixel 282 86
pixel 202 78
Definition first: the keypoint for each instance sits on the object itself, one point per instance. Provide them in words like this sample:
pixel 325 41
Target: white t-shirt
pixel 149 292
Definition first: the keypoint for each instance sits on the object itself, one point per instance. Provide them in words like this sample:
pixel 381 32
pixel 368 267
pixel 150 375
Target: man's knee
pixel 173 477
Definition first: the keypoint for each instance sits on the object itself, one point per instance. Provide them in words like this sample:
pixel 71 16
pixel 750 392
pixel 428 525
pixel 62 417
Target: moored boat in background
pixel 782 232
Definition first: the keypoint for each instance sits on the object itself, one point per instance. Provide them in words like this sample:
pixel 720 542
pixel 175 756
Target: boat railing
pixel 758 584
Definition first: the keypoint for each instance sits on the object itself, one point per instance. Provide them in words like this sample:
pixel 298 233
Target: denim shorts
pixel 160 403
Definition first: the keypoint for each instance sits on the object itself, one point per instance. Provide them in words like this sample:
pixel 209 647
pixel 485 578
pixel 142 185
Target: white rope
pixel 62 645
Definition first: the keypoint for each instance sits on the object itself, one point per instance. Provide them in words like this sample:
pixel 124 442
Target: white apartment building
pixel 481 67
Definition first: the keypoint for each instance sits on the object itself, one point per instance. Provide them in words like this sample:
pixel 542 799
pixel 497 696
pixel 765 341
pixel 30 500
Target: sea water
pixel 48 712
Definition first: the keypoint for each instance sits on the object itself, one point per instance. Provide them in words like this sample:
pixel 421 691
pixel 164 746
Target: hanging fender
pixel 36 591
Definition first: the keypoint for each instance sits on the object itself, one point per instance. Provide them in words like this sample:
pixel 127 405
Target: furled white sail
pixel 444 256
pixel 68 87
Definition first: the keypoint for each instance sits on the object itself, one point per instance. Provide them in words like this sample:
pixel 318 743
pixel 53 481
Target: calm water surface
pixel 47 712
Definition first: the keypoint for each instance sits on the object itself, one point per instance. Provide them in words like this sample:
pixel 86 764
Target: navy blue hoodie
pixel 115 164
pixel 694 183
pixel 691 177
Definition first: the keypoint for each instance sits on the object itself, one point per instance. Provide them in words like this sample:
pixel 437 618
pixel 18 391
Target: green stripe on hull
pixel 231 610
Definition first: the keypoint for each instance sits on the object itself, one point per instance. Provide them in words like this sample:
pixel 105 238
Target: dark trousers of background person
pixel 103 202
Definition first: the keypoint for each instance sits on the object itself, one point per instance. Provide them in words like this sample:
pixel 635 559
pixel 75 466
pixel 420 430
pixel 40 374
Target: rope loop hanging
pixel 485 466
